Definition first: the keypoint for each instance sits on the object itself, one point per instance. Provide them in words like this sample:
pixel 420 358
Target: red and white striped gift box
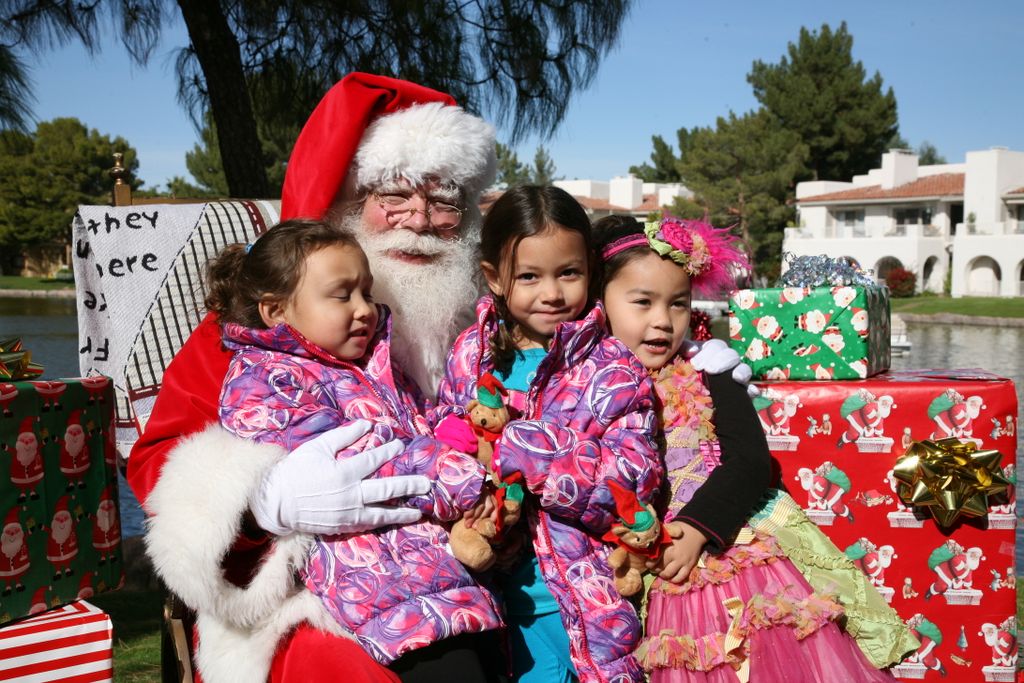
pixel 70 643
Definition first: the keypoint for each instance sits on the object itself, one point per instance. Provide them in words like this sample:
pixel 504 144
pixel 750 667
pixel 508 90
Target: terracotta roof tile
pixel 589 203
pixel 939 185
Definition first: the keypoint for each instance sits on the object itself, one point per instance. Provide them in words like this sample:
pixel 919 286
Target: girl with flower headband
pixel 752 590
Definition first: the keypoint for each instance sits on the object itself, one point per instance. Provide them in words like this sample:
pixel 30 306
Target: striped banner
pixel 69 644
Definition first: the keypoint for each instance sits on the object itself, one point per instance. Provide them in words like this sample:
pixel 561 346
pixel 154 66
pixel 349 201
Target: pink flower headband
pixel 708 254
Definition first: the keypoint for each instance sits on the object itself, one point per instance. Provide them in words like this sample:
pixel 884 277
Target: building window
pixel 852 223
pixel 911 216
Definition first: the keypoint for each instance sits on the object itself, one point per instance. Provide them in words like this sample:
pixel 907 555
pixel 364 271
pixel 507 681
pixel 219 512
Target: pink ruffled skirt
pixel 749 614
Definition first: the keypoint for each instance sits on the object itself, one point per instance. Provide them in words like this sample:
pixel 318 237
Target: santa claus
pixel 74 452
pixel 8 392
pixel 62 545
pixel 768 327
pixel 212 495
pixel 813 321
pixel 106 529
pixel 954 567
pixel 14 562
pixel 27 461
pixel 930 637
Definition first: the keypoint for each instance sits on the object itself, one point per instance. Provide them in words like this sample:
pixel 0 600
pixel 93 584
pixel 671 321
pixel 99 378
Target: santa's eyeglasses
pixel 399 208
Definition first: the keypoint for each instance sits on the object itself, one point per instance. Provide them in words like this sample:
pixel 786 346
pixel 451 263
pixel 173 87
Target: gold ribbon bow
pixel 949 477
pixel 16 361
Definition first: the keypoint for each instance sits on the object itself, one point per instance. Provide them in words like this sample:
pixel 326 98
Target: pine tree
pixel 819 92
pixel 742 172
pixel 511 171
pixel 45 175
pixel 543 167
pixel 665 168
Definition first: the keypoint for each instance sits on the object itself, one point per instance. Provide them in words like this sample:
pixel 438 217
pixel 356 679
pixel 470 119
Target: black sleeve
pixel 723 503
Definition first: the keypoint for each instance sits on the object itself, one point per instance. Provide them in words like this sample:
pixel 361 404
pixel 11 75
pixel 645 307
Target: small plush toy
pixel 639 538
pixel 487 416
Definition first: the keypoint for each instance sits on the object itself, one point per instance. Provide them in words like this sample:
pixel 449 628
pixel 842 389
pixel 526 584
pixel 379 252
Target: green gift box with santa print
pixel 61 531
pixel 818 333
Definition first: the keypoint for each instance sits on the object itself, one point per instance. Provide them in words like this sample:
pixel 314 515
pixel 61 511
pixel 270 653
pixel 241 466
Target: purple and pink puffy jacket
pixel 396 588
pixel 589 419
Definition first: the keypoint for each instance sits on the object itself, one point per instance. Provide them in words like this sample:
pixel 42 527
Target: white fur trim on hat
pixel 197 506
pixel 431 140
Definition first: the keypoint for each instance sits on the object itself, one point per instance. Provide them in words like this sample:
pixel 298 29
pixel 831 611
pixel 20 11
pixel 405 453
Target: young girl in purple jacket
pixel 312 352
pixel 585 420
pixel 753 590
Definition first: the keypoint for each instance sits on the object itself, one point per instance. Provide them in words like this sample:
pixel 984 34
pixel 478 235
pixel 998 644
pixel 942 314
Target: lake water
pixel 48 328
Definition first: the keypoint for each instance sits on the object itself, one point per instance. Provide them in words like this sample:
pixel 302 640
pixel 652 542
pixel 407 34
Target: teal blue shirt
pixel 524 589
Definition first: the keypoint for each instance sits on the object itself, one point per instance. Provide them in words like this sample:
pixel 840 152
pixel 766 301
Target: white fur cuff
pixel 197 507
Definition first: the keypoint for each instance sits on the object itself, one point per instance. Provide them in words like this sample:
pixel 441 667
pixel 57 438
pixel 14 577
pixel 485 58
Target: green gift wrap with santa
pixel 827 321
pixel 61 532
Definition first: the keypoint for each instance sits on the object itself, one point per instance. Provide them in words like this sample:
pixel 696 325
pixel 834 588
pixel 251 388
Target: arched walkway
pixel 931 277
pixel 885 265
pixel 983 277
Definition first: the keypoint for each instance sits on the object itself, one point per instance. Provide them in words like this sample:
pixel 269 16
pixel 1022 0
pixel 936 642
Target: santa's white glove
pixel 309 490
pixel 715 357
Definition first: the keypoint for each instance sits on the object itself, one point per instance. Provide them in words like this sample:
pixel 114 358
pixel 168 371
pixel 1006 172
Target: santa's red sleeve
pixel 187 403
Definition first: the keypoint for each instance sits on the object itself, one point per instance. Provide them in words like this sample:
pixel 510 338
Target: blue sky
pixel 956 69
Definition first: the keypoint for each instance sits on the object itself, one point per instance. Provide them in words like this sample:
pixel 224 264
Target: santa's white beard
pixel 25 451
pixel 74 440
pixel 61 527
pixel 431 303
pixel 105 516
pixel 12 542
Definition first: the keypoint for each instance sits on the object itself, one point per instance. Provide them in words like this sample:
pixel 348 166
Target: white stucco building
pixel 966 219
pixel 623 195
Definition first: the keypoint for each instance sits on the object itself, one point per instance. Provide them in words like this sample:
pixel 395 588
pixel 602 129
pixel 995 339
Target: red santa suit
pixel 14 562
pixel 251 619
pixel 106 528
pixel 62 545
pixel 27 463
pixel 74 452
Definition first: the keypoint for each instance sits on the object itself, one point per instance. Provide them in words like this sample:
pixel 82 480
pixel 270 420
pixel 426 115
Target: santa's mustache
pixel 401 239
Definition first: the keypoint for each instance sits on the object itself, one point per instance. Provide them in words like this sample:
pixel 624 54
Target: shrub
pixel 902 282
pixel 64 275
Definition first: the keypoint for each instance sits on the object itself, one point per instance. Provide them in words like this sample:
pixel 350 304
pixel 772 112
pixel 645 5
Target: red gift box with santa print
pixel 836 444
pixel 61 532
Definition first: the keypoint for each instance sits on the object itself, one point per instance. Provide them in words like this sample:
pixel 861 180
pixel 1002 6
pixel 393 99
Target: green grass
pixel 138 619
pixel 987 306
pixel 18 282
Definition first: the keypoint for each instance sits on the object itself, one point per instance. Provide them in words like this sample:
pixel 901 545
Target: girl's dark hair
pixel 522 212
pixel 237 280
pixel 606 231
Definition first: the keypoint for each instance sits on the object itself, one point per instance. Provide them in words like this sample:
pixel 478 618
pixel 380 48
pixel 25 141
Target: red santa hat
pixel 39 600
pixel 12 518
pixel 75 418
pixel 632 513
pixel 27 426
pixel 105 496
pixel 369 129
pixel 61 506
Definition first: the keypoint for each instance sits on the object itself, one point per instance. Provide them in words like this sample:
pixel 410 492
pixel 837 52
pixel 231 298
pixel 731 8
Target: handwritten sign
pixel 139 274
pixel 121 258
